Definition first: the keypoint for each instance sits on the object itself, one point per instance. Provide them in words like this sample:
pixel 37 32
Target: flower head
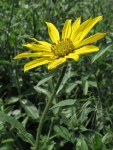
pixel 70 45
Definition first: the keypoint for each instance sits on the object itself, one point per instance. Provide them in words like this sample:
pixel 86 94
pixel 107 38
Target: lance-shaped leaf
pixel 22 133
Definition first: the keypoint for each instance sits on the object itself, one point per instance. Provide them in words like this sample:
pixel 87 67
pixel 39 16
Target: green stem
pixel 47 108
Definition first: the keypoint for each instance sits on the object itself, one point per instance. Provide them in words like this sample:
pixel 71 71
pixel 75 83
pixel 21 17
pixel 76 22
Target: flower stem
pixel 47 108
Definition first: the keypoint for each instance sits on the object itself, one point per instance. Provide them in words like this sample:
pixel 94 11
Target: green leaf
pixel 97 143
pixel 92 83
pixel 107 137
pixel 100 53
pixel 12 100
pixel 63 132
pixel 48 76
pixel 67 76
pixel 42 90
pixel 16 124
pixel 63 103
pixel 81 144
pixel 85 84
pixel 30 109
pixel 85 87
pixel 8 140
pixel 5 62
pixel 71 86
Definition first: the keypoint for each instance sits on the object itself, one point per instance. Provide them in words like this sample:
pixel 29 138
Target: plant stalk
pixel 37 147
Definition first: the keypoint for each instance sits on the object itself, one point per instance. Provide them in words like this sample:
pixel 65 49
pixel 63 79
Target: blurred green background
pixel 82 115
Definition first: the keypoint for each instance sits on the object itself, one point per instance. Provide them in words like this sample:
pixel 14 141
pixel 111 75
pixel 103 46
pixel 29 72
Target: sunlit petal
pixel 90 25
pixel 66 32
pixel 86 50
pixel 38 54
pixel 36 63
pixel 33 39
pixel 53 32
pixel 75 26
pixel 90 39
pixel 78 33
pixel 56 62
pixel 73 56
pixel 41 42
pixel 38 47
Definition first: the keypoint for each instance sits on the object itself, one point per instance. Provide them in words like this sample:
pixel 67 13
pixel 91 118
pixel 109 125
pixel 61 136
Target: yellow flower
pixel 72 44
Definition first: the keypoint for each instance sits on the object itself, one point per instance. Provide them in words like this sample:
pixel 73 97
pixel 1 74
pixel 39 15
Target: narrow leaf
pixel 30 109
pixel 63 103
pixel 100 53
pixel 5 62
pixel 63 132
pixel 48 76
pixel 16 124
pixel 81 144
pixel 42 90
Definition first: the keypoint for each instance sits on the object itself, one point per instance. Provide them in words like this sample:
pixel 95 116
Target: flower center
pixel 63 48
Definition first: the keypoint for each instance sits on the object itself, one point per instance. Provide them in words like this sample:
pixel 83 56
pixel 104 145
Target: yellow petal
pixel 34 39
pixel 38 54
pixel 73 56
pixel 56 63
pixel 53 32
pixel 86 50
pixel 90 39
pixel 41 42
pixel 66 32
pixel 75 26
pixel 84 24
pixel 45 44
pixel 38 47
pixel 80 29
pixel 36 63
pixel 89 26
